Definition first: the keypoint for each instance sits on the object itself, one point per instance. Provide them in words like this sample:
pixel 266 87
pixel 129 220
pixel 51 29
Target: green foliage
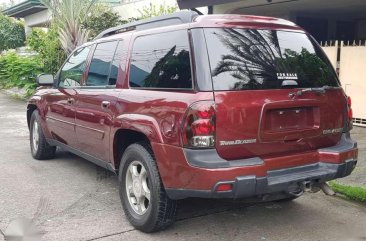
pixel 20 72
pixel 100 19
pixel 154 11
pixel 36 39
pixel 68 16
pixel 353 193
pixel 48 46
pixel 2 7
pixel 12 33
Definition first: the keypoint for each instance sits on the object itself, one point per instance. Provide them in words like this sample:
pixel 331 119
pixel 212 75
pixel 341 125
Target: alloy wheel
pixel 137 187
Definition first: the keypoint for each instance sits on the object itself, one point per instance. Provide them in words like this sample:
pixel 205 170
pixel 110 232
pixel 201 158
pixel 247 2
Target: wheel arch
pixel 122 139
pixel 30 109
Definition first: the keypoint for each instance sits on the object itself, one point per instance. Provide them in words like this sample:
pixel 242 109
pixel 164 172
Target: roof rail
pixel 155 22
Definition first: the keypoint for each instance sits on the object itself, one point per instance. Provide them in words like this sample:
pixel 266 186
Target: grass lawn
pixel 354 193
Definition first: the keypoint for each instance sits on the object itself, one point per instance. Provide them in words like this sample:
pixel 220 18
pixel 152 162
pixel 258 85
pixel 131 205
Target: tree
pixel 68 16
pixel 48 46
pixel 154 10
pixel 101 18
pixel 12 33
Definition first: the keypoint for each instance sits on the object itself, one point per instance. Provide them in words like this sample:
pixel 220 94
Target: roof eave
pixel 24 9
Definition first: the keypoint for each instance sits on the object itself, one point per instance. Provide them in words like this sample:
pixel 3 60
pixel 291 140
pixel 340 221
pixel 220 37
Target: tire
pixel 138 173
pixel 40 149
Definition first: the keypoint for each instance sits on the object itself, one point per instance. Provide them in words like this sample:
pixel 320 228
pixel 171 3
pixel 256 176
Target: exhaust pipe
pixel 316 187
pixel 327 189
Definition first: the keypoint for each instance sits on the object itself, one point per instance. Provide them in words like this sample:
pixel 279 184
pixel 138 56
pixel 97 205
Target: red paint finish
pixel 93 122
pixel 59 113
pixel 269 117
pixel 284 132
pixel 177 173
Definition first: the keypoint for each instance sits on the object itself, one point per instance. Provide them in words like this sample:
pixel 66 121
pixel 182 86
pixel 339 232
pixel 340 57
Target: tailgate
pixel 250 123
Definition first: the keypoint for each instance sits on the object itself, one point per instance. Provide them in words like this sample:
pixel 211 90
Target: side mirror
pixel 45 79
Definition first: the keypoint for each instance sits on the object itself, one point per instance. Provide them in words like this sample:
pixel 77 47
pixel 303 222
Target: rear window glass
pixel 254 59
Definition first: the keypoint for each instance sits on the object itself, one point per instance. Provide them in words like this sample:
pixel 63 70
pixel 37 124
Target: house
pixel 339 25
pixel 35 14
pixel 325 20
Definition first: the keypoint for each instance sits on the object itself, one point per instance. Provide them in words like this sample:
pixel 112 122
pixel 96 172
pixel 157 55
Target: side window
pixel 118 57
pixel 72 72
pixel 100 65
pixel 161 61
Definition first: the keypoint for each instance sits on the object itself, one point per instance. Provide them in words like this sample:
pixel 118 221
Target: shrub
pixel 36 39
pixel 18 71
pixel 12 33
pixel 49 48
pixel 101 19
pixel 154 10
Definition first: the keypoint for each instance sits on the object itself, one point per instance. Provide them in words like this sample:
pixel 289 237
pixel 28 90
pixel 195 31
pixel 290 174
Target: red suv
pixel 216 106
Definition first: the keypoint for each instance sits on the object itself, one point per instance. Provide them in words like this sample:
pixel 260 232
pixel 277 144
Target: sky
pixel 8 1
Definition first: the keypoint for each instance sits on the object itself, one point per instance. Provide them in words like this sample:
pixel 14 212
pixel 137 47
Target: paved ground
pixel 358 177
pixel 72 199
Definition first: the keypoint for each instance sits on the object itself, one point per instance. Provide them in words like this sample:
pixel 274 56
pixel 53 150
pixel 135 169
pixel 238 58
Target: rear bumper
pixel 284 180
pixel 197 173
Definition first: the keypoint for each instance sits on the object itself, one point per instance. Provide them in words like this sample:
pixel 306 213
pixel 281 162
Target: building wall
pixel 352 67
pixel 39 19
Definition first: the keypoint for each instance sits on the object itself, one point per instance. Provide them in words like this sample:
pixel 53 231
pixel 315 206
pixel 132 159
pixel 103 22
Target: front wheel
pixel 40 149
pixel 143 197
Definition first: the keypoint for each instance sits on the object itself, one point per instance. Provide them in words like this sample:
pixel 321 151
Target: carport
pixel 339 25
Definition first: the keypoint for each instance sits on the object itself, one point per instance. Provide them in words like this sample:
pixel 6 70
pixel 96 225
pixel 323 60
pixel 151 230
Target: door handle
pixel 105 104
pixel 70 101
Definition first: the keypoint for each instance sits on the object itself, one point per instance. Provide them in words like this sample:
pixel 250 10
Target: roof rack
pixel 155 22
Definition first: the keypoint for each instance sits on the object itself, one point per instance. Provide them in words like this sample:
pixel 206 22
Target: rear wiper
pixel 318 90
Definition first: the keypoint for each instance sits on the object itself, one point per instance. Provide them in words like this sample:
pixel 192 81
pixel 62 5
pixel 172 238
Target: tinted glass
pixel 100 65
pixel 161 61
pixel 265 59
pixel 72 72
pixel 118 57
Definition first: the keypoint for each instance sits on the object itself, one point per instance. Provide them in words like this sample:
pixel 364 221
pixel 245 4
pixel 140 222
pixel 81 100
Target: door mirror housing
pixel 45 79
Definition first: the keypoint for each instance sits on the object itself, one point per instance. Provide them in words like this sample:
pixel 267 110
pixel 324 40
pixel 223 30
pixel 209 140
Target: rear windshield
pixel 243 59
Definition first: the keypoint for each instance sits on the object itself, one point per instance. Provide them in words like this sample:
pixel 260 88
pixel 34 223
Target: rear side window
pixel 100 66
pixel 263 59
pixel 72 71
pixel 161 61
pixel 118 57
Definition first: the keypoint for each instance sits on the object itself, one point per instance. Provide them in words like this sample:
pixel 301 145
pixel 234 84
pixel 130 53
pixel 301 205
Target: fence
pixel 352 73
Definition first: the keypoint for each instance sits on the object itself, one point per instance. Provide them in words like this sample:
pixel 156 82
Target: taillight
pixel 349 112
pixel 199 125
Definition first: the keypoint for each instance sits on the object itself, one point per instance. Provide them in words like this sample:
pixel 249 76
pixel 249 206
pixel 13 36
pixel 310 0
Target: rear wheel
pixel 143 197
pixel 40 149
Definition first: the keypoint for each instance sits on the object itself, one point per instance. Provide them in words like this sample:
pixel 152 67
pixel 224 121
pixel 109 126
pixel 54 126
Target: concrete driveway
pixel 72 199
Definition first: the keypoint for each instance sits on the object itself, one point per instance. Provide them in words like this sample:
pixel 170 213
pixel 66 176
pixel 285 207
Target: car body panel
pixel 159 115
pixel 60 115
